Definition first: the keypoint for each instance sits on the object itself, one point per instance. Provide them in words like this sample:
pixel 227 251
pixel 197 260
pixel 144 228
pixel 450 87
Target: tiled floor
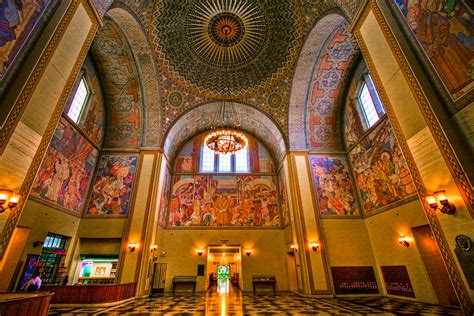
pixel 243 304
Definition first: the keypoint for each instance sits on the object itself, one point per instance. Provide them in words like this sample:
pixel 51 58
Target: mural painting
pixel 65 173
pixel 18 19
pixel 381 171
pixel 333 184
pixel 285 209
pixel 224 201
pixel 164 199
pixel 445 30
pixel 353 129
pixel 93 120
pixel 113 185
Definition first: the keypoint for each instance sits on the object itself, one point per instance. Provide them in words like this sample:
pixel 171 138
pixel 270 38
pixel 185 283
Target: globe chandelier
pixel 225 137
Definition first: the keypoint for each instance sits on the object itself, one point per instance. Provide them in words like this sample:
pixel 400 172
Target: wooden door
pixel 434 264
pixel 159 278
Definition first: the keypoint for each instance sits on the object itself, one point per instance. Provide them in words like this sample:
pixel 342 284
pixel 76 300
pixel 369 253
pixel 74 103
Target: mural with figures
pixel 381 172
pixel 284 206
pixel 164 199
pixel 18 19
pixel 64 176
pixel 333 184
pixel 224 201
pixel 444 30
pixel 113 185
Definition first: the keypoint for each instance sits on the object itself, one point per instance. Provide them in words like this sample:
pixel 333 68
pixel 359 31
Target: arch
pixel 320 76
pixel 199 119
pixel 147 70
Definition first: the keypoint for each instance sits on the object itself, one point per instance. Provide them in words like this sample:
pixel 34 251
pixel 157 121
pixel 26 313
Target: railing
pixel 24 303
pixel 90 294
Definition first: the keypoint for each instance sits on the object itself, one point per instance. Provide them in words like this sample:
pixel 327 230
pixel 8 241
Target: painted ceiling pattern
pixel 182 87
pixel 326 89
pixel 121 87
pixel 190 42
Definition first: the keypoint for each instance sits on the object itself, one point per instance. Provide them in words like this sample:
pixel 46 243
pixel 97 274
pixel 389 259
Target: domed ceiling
pixel 208 45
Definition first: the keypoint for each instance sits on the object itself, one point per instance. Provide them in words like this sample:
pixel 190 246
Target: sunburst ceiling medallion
pixel 261 37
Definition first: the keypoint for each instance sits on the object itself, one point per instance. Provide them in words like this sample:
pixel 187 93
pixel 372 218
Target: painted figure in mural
pixel 381 172
pixel 444 29
pixel 113 186
pixel 209 201
pixel 334 186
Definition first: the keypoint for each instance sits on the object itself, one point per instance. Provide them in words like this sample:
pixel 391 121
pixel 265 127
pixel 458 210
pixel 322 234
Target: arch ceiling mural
pixel 147 70
pixel 200 119
pixel 318 85
pixel 264 42
pixel 120 79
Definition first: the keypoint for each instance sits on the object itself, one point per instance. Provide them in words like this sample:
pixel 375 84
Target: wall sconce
pixel 10 198
pixel 403 241
pixel 314 245
pixel 153 248
pixel 447 207
pixel 294 248
pixel 248 252
pixel 199 251
pixel 132 246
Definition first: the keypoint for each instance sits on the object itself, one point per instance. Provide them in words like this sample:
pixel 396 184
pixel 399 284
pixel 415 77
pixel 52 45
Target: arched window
pixel 211 162
pixel 369 101
pixel 78 102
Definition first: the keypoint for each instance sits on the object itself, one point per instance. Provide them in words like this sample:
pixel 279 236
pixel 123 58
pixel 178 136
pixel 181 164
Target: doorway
pixel 224 269
pixel 434 264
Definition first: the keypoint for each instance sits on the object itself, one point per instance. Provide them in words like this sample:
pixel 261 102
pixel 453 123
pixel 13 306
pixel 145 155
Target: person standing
pixel 33 284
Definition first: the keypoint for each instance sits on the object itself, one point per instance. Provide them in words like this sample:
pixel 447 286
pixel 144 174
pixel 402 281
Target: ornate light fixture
pixel 10 198
pixel 225 138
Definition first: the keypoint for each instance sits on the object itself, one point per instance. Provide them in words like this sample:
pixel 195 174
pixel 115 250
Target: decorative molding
pixel 442 242
pixel 25 97
pixel 457 172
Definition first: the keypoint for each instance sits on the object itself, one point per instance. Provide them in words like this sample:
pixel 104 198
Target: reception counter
pixel 24 303
pixel 90 294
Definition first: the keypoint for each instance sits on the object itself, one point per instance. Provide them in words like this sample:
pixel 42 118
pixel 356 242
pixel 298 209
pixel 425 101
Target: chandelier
pixel 224 137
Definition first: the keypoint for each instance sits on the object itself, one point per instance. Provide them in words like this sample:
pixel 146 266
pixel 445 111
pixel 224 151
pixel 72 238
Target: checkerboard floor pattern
pixel 238 303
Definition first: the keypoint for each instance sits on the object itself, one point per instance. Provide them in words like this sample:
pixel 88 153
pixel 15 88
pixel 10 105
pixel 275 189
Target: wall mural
pixel 189 157
pixel 333 184
pixel 66 170
pixel 224 201
pixel 93 120
pixel 284 206
pixel 113 185
pixel 444 29
pixel 326 87
pixel 164 199
pixel 381 171
pixel 18 19
pixel 353 129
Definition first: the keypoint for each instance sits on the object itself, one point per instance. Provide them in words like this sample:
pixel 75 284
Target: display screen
pixel 222 272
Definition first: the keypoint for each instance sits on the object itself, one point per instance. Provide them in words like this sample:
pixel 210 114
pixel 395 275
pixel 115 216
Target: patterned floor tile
pixel 237 303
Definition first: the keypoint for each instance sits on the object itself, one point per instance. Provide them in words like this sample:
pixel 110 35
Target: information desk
pixel 184 281
pixel 25 303
pixel 263 281
pixel 90 294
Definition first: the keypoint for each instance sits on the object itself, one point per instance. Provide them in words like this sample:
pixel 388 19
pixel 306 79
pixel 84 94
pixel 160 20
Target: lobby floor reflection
pixel 237 303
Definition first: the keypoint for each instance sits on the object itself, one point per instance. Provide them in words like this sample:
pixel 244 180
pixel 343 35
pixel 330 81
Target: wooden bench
pixel 263 280
pixel 184 280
